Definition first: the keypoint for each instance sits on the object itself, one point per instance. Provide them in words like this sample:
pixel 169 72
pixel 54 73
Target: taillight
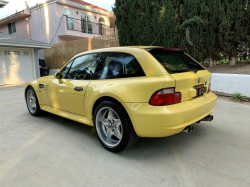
pixel 166 96
pixel 209 88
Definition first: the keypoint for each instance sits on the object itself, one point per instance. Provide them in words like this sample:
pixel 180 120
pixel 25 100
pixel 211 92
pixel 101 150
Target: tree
pixel 140 22
pixel 137 21
pixel 199 18
pixel 234 27
pixel 203 28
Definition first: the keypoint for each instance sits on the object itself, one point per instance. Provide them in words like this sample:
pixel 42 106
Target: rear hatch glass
pixel 191 78
pixel 175 61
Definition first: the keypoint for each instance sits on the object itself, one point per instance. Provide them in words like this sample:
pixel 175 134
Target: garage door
pixel 15 66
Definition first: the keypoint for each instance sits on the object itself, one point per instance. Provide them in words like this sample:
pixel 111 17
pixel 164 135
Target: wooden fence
pixel 61 53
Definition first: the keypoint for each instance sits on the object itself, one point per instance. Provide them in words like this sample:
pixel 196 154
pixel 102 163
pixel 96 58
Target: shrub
pixel 238 97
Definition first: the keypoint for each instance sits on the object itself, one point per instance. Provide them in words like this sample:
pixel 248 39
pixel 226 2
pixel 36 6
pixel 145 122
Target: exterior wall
pixel 4 29
pixel 95 16
pixel 68 35
pixel 41 54
pixel 36 67
pixel 230 83
pixel 22 28
pixel 44 22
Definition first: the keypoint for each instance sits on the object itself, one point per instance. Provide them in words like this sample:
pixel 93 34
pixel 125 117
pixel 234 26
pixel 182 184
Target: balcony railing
pixel 88 27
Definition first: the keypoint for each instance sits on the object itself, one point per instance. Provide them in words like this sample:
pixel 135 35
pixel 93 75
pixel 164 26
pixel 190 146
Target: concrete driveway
pixel 53 151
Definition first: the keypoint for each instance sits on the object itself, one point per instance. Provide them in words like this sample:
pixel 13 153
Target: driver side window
pixel 65 70
pixel 83 67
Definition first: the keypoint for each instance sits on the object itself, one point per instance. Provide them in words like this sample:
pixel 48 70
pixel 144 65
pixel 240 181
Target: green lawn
pixel 225 61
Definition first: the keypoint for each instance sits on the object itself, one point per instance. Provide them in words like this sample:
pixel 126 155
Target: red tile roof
pixel 88 4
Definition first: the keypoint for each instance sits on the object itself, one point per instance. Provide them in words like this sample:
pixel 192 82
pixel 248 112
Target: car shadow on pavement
pixel 152 148
pixel 145 148
pixel 70 125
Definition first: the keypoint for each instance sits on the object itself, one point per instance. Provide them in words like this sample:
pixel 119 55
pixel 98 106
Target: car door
pixel 68 94
pixel 112 77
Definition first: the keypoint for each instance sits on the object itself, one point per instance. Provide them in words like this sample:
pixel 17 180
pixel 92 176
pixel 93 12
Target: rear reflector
pixel 166 96
pixel 209 88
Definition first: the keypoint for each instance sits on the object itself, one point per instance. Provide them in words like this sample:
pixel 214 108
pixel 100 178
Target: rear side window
pixel 175 62
pixel 118 65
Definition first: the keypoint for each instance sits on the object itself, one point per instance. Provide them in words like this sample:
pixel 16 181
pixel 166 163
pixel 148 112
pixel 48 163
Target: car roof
pixel 149 64
pixel 116 49
pixel 144 47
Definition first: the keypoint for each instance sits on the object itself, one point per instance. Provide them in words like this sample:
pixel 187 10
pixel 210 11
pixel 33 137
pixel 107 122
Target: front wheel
pixel 113 126
pixel 32 102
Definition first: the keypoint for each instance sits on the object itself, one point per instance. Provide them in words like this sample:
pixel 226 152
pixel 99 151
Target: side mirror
pixel 59 76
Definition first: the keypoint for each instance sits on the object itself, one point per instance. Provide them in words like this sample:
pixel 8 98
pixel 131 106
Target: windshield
pixel 175 62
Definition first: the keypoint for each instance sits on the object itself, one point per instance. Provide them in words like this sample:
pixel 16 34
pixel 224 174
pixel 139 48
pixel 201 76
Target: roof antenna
pixel 158 34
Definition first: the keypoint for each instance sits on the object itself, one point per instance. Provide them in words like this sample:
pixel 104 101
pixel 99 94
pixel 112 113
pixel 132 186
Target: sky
pixel 19 5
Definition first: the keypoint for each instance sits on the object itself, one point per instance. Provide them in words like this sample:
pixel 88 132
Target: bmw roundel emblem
pixel 199 80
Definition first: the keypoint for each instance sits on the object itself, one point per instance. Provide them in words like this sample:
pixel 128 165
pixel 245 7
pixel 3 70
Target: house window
pixel 16 52
pixel 86 22
pixel 7 52
pixel 26 53
pixel 12 27
pixel 101 26
pixel 69 19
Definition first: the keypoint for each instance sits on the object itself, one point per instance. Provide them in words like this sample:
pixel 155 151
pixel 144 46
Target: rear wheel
pixel 32 102
pixel 113 126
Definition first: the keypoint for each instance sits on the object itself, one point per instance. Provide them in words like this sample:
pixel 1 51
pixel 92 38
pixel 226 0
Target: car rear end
pixel 171 109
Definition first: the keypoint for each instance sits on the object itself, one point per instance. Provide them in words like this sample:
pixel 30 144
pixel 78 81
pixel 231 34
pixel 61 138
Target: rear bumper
pixel 162 121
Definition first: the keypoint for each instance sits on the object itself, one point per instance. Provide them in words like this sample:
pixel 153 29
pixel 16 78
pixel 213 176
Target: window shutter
pixel 9 28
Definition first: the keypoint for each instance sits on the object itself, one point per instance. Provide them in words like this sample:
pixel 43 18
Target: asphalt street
pixel 51 151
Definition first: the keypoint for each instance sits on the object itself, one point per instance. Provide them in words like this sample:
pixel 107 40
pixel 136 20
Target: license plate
pixel 200 90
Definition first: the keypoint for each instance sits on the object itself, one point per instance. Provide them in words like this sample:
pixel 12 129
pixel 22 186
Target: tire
pixel 32 102
pixel 113 127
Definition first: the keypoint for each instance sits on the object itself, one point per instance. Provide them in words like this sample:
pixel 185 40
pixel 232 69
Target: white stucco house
pixel 56 21
pixel 19 61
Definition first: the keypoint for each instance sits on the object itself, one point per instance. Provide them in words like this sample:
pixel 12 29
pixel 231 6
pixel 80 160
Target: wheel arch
pixel 33 86
pixel 25 91
pixel 108 98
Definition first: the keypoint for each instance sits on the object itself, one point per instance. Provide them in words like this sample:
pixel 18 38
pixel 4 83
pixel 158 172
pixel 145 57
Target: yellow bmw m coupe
pixel 127 93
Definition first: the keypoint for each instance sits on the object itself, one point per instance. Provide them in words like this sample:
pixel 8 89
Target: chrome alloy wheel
pixel 31 101
pixel 109 127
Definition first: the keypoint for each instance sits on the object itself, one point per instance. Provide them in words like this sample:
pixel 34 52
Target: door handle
pixel 78 89
pixel 41 86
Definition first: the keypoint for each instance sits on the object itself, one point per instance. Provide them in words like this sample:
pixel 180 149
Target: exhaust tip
pixel 188 129
pixel 208 118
